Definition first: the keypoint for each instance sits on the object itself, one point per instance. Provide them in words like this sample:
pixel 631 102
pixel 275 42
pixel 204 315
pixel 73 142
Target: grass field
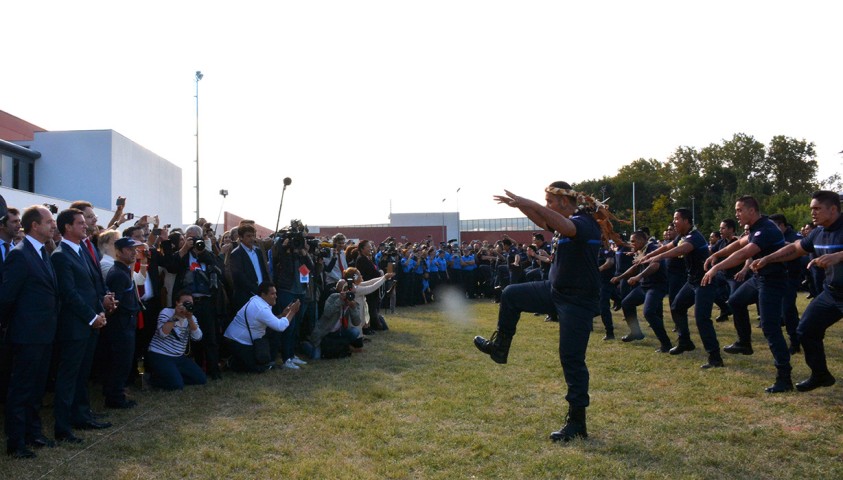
pixel 421 402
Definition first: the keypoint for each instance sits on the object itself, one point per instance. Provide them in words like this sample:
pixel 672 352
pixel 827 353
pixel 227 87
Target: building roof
pixel 14 129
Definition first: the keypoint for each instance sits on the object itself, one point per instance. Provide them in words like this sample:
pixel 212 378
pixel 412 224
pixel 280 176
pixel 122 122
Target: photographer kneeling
pixel 250 324
pixel 339 327
pixel 171 369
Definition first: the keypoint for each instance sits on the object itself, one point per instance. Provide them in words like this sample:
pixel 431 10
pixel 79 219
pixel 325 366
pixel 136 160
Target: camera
pixel 198 243
pixel 188 306
pixel 297 236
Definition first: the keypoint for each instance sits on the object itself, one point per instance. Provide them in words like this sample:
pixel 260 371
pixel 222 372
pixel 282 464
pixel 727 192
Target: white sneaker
pixel 298 361
pixel 289 364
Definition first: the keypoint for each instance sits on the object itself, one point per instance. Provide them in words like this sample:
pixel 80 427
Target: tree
pixel 791 166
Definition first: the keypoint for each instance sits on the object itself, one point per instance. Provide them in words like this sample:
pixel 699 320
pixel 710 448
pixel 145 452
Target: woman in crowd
pixel 169 367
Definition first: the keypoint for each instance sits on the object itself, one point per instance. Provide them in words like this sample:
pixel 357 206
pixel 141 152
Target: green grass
pixel 421 402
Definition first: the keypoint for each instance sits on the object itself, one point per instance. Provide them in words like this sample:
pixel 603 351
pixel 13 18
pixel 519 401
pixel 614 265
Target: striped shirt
pixel 175 343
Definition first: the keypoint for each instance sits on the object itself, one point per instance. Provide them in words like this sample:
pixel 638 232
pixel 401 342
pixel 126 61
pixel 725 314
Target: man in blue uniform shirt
pixel 827 308
pixel 693 247
pixel 764 238
pixel 572 290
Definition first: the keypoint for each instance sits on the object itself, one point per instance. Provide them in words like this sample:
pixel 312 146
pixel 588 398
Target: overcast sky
pixel 367 105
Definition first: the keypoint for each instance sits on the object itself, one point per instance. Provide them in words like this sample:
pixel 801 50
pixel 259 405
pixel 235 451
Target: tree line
pixel 781 175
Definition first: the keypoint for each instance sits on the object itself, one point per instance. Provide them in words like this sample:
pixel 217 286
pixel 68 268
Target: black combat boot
pixel 497 346
pixel 574 426
pixel 783 381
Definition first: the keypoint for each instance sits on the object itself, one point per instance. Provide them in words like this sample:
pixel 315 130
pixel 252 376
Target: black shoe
pixel 780 386
pixel 40 442
pixel 794 349
pixel 616 307
pixel 632 338
pixel 97 415
pixel 738 348
pixel 712 363
pixel 682 348
pixel 497 346
pixel 20 453
pixel 814 382
pixel 574 426
pixel 69 438
pixel 723 317
pixel 121 405
pixel 212 376
pixel 609 336
pixel 665 348
pixel 92 425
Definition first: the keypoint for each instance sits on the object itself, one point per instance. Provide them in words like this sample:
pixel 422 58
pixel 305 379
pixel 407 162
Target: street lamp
pixel 198 77
pixel 224 194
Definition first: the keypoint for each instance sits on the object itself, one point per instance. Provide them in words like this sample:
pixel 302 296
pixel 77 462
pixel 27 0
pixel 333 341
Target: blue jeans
pixel 702 299
pixel 289 338
pixel 575 324
pixel 822 313
pixel 173 373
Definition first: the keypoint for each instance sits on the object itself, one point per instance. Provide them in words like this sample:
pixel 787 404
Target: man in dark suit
pixel 29 305
pixel 82 314
pixel 247 264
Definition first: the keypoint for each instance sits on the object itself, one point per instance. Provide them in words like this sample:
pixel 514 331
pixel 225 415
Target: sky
pixel 372 107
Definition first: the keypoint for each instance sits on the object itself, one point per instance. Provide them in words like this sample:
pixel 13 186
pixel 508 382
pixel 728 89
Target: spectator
pixel 251 322
pixel 169 368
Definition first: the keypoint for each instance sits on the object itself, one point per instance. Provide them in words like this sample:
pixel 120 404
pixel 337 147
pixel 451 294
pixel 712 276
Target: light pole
pixel 224 194
pixel 459 229
pixel 198 77
pixel 693 210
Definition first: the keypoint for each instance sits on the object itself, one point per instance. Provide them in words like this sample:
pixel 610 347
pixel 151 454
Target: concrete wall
pixel 99 165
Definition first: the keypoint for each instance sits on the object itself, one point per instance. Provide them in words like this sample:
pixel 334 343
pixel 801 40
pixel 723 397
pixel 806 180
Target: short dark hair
pixel 66 217
pixel 750 202
pixel 827 198
pixel 716 234
pixel 538 236
pixel 129 231
pixel 730 223
pixel 641 234
pixel 183 293
pixel 245 228
pixel 264 287
pixel 685 214
pixel 9 211
pixel 81 205
pixel 778 218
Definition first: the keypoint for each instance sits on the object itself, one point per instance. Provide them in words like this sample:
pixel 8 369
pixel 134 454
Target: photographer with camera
pixel 291 258
pixel 335 263
pixel 197 272
pixel 388 261
pixel 338 330
pixel 250 325
pixel 169 367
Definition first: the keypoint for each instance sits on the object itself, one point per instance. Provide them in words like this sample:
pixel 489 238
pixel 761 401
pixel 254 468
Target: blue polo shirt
pixel 468 258
pixel 766 235
pixel 694 260
pixel 659 277
pixel 823 241
pixel 573 272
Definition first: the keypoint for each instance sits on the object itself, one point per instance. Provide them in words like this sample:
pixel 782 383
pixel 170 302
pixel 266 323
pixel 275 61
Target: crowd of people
pixel 169 307
pixel 134 301
pixel 765 266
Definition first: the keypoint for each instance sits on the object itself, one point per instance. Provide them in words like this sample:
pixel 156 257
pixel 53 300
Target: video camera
pixel 297 236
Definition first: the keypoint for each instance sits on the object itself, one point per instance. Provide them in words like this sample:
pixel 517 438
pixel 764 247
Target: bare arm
pixel 539 214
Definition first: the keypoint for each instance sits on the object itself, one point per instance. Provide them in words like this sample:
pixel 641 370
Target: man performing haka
pixel 571 290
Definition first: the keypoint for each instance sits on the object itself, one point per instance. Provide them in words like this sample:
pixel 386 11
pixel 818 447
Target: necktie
pixel 47 261
pixel 92 252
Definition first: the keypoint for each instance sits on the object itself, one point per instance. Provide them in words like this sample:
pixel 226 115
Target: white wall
pixel 99 165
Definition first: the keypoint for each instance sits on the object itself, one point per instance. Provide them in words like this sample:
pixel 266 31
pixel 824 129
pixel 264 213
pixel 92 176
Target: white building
pixel 93 165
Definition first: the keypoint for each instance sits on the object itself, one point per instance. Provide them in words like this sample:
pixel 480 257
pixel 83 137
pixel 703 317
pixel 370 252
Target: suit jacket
pixel 243 276
pixel 29 300
pixel 80 289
